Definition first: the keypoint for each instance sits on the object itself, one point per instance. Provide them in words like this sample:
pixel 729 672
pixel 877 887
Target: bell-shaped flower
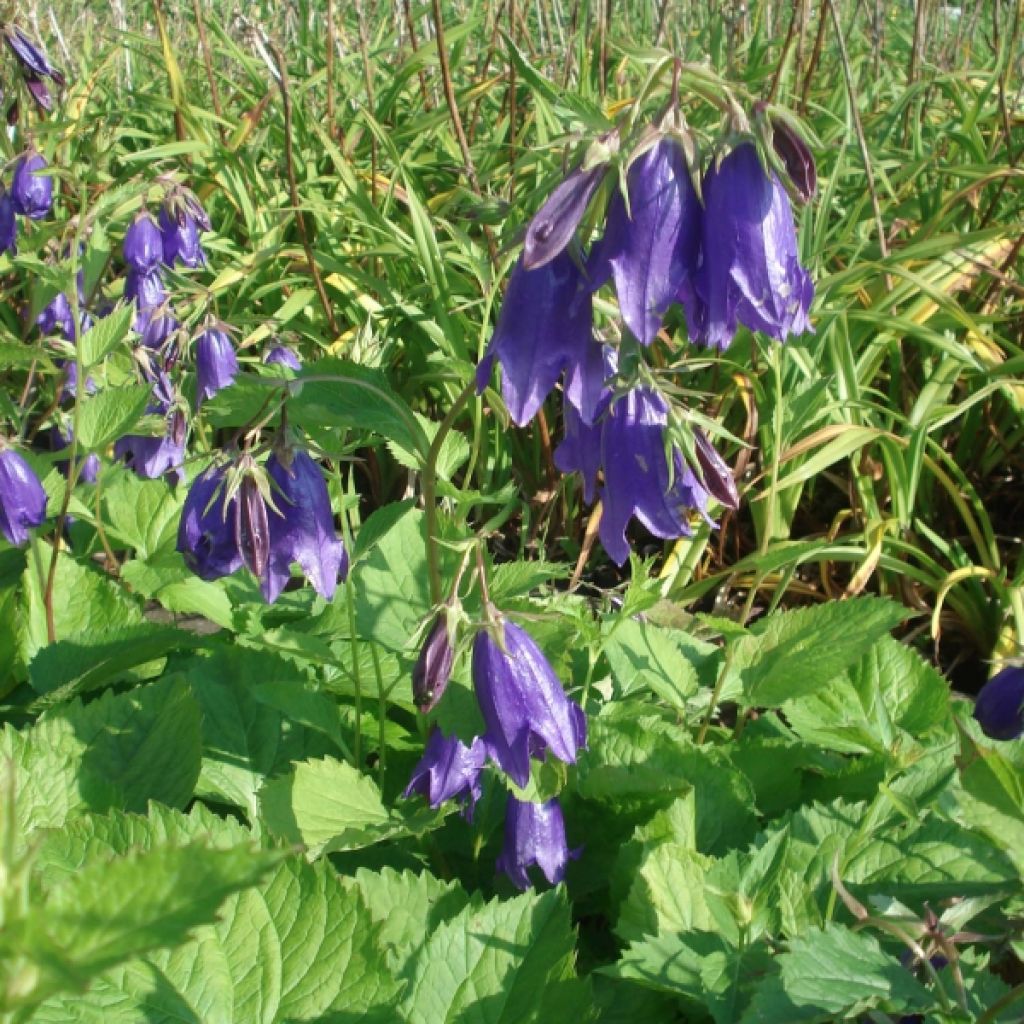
pixel 637 481
pixel 534 835
pixel 32 191
pixel 88 468
pixel 282 355
pixel 580 450
pixel 999 708
pixel 206 531
pixel 448 770
pixel 143 246
pixel 29 55
pixel 216 363
pixel 544 326
pixel 750 271
pixel 146 290
pixel 301 527
pixel 180 225
pixel 433 667
pixel 153 457
pixel 8 224
pixel 555 222
pixel 523 704
pixel 22 498
pixel 57 315
pixel 652 247
pixel 585 399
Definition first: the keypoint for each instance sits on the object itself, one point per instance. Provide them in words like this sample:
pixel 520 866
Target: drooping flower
pixel 216 363
pixel 143 246
pixel 534 835
pixel 637 481
pixel 750 271
pixel 544 326
pixel 57 315
pixel 8 224
pixel 523 704
pixel 146 290
pixel 22 498
pixel 153 457
pixel 448 770
pixel 182 217
pixel 31 191
pixel 29 55
pixel 651 248
pixel 88 468
pixel 433 667
pixel 302 528
pixel 206 532
pixel 999 708
pixel 555 222
pixel 282 355
pixel 715 474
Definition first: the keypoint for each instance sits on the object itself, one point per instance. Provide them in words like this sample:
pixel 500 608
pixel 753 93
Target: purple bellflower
pixel 544 326
pixel 555 222
pixel 143 246
pixel 652 248
pixel 146 290
pixel 153 457
pixel 523 703
pixel 182 217
pixel 715 474
pixel 999 708
pixel 448 770
pixel 302 528
pixel 32 192
pixel 8 224
pixel 206 532
pixel 750 271
pixel 534 834
pixel 22 498
pixel 88 469
pixel 433 667
pixel 34 65
pixel 282 355
pixel 216 363
pixel 57 315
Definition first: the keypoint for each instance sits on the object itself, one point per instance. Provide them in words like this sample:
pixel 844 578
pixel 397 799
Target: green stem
pixel 716 694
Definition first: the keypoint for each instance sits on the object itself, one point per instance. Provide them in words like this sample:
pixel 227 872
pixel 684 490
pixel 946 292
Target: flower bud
pixel 433 667
pixel 999 708
pixel 216 363
pixel 32 192
pixel 143 246
pixel 715 474
pixel 554 223
pixel 22 498
pixel 282 355
pixel 796 157
pixel 252 530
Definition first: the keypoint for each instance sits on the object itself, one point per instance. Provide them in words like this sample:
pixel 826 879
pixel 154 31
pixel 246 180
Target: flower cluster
pixel 527 715
pixel 35 69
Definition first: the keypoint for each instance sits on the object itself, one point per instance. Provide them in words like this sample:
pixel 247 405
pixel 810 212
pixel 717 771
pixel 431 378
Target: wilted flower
pixel 182 217
pixel 8 224
pixel 282 355
pixel 302 527
pixel 433 667
pixel 143 246
pixel 554 223
pixel 534 834
pixel 206 532
pixel 22 498
pixel 523 703
pixel 651 248
pixel 32 192
pixel 448 770
pixel 216 363
pixel 999 708
pixel 544 326
pixel 750 271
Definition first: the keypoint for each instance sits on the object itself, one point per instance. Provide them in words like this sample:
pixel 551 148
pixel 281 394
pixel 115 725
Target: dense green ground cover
pixel 784 813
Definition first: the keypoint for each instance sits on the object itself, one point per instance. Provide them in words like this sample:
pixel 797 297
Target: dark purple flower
pixel 38 90
pixel 252 527
pixel 29 56
pixel 143 246
pixel 636 474
pixel 158 329
pixel 796 157
pixel 534 834
pixel 22 498
pixel 179 233
pixel 750 271
pixel 57 314
pixel 448 770
pixel 152 457
pixel 8 224
pixel 206 532
pixel 554 223
pixel 88 469
pixel 999 708
pixel 651 248
pixel 586 380
pixel 715 474
pixel 32 192
pixel 544 326
pixel 580 450
pixel 216 363
pixel 147 290
pixel 523 703
pixel 282 355
pixel 433 667
pixel 302 528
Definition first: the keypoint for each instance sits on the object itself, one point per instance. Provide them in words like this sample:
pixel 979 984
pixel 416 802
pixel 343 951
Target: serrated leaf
pixel 105 335
pixel 517 579
pixel 142 514
pixel 110 414
pixel 641 655
pixel 992 799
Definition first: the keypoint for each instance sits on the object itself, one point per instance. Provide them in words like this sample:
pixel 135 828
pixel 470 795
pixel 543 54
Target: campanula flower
pixel 57 315
pixel 153 457
pixel 8 224
pixel 523 703
pixel 301 528
pixel 34 65
pixel 206 531
pixel 143 246
pixel 750 271
pixel 216 363
pixel 448 770
pixel 715 474
pixel 433 667
pixel 22 498
pixel 146 290
pixel 555 222
pixel 651 248
pixel 534 835
pixel 282 355
pixel 796 157
pixel 544 326
pixel 31 191
pixel 999 708
pixel 252 527
pixel 88 468
pixel 182 217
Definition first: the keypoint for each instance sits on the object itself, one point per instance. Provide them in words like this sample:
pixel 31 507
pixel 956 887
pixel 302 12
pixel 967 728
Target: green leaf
pixel 991 799
pixel 142 514
pixel 105 335
pixel 794 653
pixel 110 414
pixel 168 581
pixel 642 655
pixel 506 962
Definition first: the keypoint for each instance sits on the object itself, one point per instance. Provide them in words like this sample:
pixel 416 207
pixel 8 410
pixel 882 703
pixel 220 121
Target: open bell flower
pixel 544 326
pixel 999 709
pixel 216 362
pixel 32 191
pixel 534 835
pixel 22 498
pixel 448 770
pixel 206 531
pixel 750 269
pixel 154 457
pixel 182 218
pixel 523 704
pixel 143 246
